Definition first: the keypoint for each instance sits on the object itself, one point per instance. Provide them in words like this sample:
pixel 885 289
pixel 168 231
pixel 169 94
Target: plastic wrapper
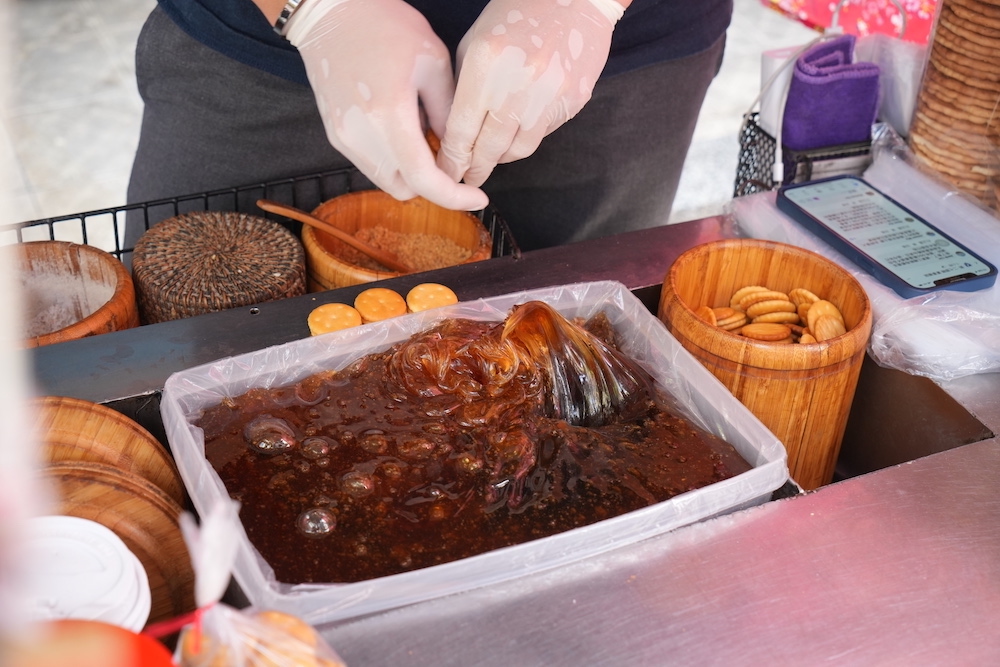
pixel 697 394
pixel 222 636
pixel 943 335
pixel 902 66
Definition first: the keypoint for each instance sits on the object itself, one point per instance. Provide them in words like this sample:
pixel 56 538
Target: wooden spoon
pixel 383 257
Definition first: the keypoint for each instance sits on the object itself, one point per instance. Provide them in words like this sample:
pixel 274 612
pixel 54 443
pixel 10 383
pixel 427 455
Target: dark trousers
pixel 210 122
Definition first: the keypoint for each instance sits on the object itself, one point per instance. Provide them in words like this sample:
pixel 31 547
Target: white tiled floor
pixel 71 123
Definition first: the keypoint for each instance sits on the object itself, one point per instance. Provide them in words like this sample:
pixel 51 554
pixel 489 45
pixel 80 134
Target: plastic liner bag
pixel 943 336
pixel 902 65
pixel 696 393
pixel 222 636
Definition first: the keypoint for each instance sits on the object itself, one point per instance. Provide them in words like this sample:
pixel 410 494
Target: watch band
pixel 286 13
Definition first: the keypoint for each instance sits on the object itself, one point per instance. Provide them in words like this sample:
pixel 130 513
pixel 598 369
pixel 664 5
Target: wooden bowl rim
pixel 761 354
pixel 124 291
pixel 171 483
pixel 311 236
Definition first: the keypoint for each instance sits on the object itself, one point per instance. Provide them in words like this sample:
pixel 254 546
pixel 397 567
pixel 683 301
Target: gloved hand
pixel 370 64
pixel 525 67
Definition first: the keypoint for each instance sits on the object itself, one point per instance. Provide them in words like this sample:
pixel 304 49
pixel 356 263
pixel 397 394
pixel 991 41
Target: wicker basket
pixel 369 208
pixel 208 261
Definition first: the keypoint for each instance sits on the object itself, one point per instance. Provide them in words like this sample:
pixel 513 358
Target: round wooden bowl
pixel 369 208
pixel 72 429
pixel 72 291
pixel 146 520
pixel 802 393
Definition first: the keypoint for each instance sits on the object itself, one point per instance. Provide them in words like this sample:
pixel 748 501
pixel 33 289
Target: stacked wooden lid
pixel 204 262
pixel 956 130
pixel 104 467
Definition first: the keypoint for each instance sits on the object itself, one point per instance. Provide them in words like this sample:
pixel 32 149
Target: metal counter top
pixel 901 567
pixel 899 563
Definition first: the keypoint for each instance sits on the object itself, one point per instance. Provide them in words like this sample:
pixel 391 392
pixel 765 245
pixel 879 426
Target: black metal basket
pixel 116 229
pixel 755 168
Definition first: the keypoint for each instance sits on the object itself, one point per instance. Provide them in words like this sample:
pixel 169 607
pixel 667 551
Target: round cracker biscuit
pixel 765 295
pixel 800 295
pixel 784 317
pixel 767 331
pixel 429 295
pixel 827 327
pixel 332 317
pixel 964 142
pixel 964 26
pixel 379 303
pixel 734 301
pixel 707 314
pixel 937 91
pixel 958 156
pixel 725 313
pixel 945 70
pixel 819 309
pixel 951 62
pixel 733 324
pixel 935 77
pixel 962 45
pixel 974 12
pixel 293 625
pixel 759 308
pixel 954 108
pixel 803 311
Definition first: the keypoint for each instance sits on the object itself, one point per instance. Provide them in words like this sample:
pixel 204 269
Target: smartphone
pixel 898 247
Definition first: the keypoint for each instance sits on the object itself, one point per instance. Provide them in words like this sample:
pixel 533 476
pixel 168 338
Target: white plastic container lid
pixel 81 569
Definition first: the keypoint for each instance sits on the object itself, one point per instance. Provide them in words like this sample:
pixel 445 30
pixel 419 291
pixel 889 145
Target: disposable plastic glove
pixel 370 64
pixel 525 67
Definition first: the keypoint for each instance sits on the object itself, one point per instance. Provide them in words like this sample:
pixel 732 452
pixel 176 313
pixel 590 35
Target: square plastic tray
pixel 703 399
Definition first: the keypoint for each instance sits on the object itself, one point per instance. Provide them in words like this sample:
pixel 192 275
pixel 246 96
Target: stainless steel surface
pixel 897 417
pixel 980 395
pixel 897 567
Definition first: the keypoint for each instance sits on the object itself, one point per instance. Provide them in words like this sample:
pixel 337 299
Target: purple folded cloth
pixel 831 99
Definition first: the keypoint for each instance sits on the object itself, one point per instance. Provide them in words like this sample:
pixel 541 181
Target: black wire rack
pixel 754 170
pixel 116 230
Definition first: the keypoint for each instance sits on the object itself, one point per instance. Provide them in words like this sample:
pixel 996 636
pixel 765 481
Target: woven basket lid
pixel 204 262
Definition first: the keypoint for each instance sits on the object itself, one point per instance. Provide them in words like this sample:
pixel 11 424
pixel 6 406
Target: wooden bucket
pixel 327 268
pixel 72 291
pixel 72 429
pixel 801 392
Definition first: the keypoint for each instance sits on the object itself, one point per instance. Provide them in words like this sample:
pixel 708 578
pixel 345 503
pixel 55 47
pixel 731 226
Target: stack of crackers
pixel 955 130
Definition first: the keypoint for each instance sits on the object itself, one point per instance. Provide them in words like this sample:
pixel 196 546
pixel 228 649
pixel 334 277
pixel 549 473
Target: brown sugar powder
pixel 423 252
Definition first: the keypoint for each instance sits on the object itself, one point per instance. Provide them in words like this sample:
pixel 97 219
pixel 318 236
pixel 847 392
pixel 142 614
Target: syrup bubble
pixel 316 522
pixel 270 435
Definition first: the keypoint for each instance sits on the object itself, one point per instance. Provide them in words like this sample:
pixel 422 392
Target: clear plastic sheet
pixel 944 335
pixel 697 393
pixel 902 66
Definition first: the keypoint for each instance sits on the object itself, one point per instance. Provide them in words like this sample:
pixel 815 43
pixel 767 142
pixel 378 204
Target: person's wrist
pixel 611 9
pixel 309 12
pixel 281 24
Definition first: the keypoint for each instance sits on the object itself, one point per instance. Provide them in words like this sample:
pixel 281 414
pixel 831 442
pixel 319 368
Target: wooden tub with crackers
pixel 801 389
